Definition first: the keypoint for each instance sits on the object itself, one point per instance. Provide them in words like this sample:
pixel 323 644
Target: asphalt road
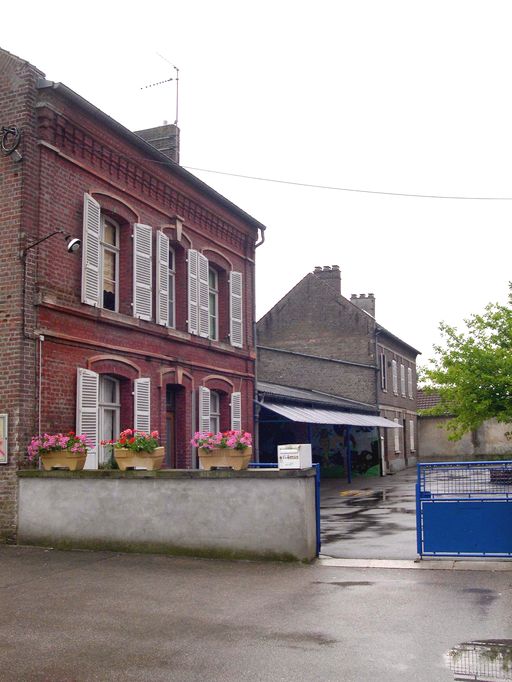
pixel 80 616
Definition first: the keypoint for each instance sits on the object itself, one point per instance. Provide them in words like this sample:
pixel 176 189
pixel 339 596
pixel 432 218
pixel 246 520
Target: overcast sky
pixel 407 97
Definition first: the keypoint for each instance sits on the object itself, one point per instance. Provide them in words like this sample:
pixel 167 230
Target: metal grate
pixel 465 479
pixel 488 660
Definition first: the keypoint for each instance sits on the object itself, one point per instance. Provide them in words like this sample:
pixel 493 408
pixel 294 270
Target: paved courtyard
pixel 371 518
pixel 81 616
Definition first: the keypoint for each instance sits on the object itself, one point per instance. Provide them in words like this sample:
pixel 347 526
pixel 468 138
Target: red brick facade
pixel 70 149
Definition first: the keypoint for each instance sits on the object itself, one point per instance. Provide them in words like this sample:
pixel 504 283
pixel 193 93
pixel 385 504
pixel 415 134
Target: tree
pixel 472 373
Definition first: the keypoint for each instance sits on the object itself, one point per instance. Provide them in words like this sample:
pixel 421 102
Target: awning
pixel 311 415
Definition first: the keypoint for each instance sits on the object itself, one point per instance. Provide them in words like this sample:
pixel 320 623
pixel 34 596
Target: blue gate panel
pixel 467 527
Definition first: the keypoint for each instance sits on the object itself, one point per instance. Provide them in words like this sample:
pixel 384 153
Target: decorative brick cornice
pixel 129 174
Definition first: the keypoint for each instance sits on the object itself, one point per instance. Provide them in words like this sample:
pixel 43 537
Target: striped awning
pixel 313 415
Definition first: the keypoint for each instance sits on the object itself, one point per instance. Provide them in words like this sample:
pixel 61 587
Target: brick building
pixel 316 339
pixel 150 323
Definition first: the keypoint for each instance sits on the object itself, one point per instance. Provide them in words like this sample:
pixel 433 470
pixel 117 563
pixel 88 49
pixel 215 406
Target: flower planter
pixel 225 458
pixel 63 459
pixel 130 459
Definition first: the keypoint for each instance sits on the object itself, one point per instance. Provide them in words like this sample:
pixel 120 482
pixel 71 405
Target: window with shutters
pixel 383 373
pixel 214 412
pixel 171 322
pixel 402 379
pixel 394 368
pixel 109 263
pixel 397 436
pixel 213 303
pixel 109 415
pixel 409 382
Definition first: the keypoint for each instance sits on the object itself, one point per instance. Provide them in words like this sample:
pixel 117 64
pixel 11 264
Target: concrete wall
pixel 247 514
pixel 489 439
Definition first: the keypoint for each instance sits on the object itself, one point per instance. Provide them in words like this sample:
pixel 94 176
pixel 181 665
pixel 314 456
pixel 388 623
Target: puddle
pixel 485 659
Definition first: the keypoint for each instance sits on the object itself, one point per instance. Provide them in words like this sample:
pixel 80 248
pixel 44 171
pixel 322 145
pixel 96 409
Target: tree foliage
pixel 472 372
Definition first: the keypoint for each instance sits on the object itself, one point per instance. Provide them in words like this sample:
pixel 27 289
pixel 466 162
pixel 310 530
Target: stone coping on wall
pixel 162 474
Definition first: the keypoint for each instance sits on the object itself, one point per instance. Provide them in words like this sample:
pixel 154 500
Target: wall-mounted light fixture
pixel 73 243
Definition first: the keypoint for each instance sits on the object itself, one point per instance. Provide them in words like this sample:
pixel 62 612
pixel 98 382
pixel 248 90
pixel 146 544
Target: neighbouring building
pixel 150 324
pixel 314 339
pixel 488 440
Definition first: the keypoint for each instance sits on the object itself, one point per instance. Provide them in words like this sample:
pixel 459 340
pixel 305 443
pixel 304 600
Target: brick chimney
pixel 165 138
pixel 365 302
pixel 330 274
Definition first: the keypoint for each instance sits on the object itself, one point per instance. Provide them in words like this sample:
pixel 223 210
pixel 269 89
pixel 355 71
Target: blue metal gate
pixel 464 509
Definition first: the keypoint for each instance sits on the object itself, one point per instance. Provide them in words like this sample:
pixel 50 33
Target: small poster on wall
pixel 3 439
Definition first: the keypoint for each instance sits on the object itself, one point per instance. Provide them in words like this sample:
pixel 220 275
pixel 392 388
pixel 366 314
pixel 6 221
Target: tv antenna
pixel 175 78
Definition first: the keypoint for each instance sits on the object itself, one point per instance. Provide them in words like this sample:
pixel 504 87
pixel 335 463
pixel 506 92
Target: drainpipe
pixel 256 408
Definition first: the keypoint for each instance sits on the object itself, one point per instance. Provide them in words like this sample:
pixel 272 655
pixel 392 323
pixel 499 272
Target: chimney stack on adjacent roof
pixel 165 138
pixel 330 274
pixel 365 302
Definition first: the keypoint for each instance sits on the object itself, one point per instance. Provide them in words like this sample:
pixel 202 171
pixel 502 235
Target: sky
pixel 402 97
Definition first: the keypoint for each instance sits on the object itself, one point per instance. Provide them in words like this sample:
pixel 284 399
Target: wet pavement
pixel 372 518
pixel 102 616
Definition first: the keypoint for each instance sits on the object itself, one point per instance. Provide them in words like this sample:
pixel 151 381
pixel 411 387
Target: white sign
pixel 294 456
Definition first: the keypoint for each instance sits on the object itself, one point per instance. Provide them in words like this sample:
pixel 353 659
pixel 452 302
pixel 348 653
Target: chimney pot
pixel 330 275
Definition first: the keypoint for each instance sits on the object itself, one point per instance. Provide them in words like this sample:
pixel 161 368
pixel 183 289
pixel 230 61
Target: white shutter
pixel 411 435
pixel 193 292
pixel 235 309
pixel 397 435
pixel 87 412
pixel 142 271
pixel 162 279
pixel 409 380
pixel 204 296
pixel 236 411
pixel 402 379
pixel 395 377
pixel 204 409
pixel 142 404
pixel 91 252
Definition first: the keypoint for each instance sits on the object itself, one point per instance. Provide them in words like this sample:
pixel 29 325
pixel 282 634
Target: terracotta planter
pixel 225 458
pixel 63 459
pixel 129 459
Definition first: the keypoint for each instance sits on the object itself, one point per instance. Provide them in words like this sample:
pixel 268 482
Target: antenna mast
pixel 176 78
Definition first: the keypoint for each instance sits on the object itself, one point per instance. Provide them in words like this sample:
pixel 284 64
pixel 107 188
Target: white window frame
pixel 214 411
pixel 402 379
pixel 397 436
pixel 171 291
pixel 213 308
pixel 104 405
pixel 394 366
pixel 412 441
pixel 383 373
pixel 409 382
pixel 104 247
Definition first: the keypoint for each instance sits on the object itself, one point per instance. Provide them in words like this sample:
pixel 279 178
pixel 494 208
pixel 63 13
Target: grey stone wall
pixel 248 514
pixel 349 381
pixel 488 440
